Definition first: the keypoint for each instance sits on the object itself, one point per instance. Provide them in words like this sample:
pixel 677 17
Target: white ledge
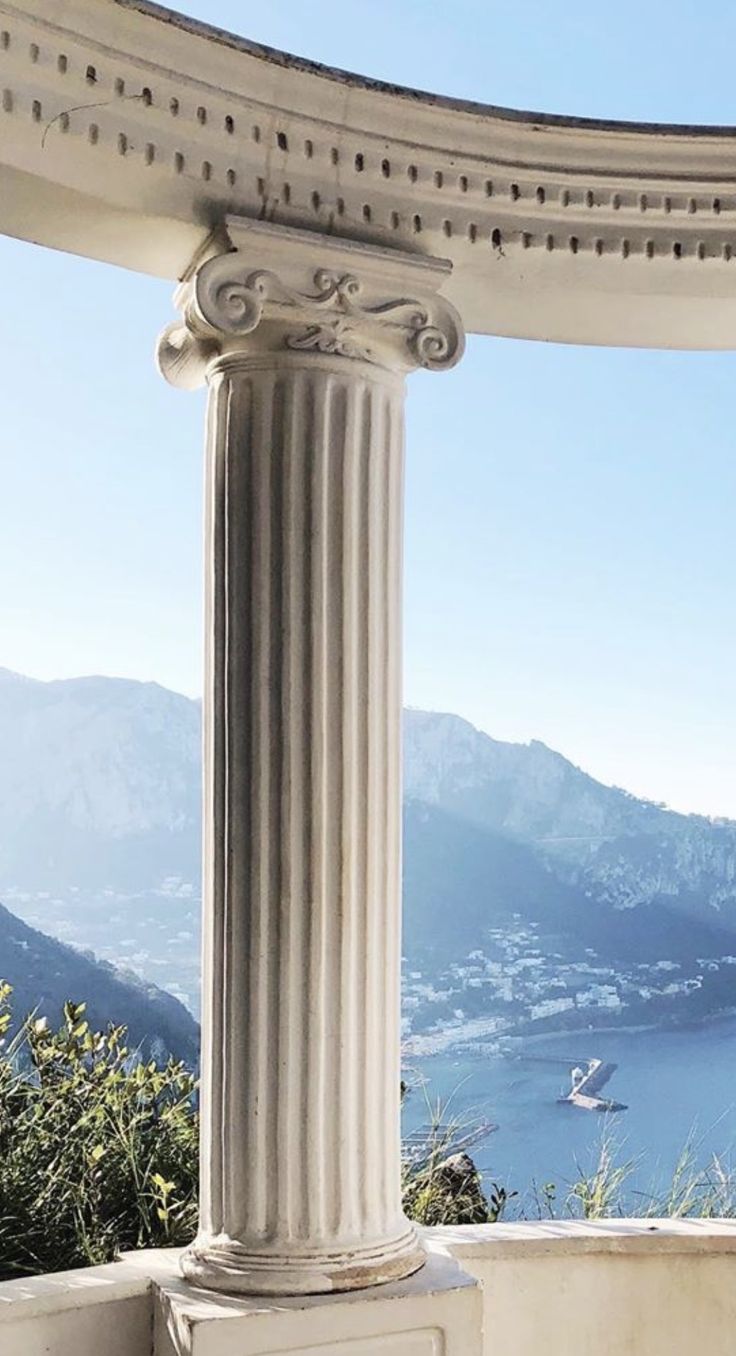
pixel 651 1286
pixel 129 132
pixel 133 1276
pixel 36 1296
pixel 572 1237
pixel 292 61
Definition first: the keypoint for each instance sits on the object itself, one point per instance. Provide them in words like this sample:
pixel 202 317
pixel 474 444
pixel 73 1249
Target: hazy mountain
pixel 526 790
pixel 99 845
pixel 44 974
pixel 99 783
pixel 618 849
pixel 99 786
pixel 460 878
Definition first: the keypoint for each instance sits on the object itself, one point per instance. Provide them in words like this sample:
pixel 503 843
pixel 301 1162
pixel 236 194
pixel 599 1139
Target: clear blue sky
pixel 571 554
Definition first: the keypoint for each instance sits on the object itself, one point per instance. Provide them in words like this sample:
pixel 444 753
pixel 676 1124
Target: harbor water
pixel 677 1085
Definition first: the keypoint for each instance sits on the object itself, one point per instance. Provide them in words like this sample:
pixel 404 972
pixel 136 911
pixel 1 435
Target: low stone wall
pixel 616 1288
pixel 96 1311
pixel 613 1288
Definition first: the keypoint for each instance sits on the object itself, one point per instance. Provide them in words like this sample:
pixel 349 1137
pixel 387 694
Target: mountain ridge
pixel 100 844
pixel 599 837
pixel 44 973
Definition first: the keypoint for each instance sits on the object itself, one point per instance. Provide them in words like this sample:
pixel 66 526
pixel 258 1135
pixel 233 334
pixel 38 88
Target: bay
pixel 678 1085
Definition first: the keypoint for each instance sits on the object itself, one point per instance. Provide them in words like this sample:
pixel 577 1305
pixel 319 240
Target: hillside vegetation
pixel 99 1155
pixel 43 971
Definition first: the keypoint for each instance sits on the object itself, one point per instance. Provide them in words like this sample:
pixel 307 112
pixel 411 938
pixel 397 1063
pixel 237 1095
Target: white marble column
pixel 304 342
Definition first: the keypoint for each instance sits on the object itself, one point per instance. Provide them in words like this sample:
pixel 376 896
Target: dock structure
pixel 586 1085
pixel 421 1144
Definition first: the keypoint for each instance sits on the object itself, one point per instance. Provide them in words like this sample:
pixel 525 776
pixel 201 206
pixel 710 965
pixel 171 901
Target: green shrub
pixel 98 1150
pixel 442 1185
pixel 697 1188
pixel 99 1155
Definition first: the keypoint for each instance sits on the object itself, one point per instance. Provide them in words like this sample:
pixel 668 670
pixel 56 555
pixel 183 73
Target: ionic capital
pixel 279 291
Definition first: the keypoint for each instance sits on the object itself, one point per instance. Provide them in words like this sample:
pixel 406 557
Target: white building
pixel 549 1007
pixel 599 996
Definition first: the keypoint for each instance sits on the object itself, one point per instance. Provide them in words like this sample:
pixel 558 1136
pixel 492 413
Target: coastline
pixel 473 1043
pixel 673 1081
pixel 691 1024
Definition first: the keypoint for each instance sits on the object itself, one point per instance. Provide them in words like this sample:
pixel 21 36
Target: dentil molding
pixel 129 132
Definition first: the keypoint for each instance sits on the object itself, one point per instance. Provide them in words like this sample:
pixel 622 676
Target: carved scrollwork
pixel 336 337
pixel 236 306
pixel 229 308
pixel 433 346
pixel 182 358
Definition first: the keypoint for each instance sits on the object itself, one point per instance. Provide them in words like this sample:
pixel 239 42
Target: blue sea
pixel 678 1085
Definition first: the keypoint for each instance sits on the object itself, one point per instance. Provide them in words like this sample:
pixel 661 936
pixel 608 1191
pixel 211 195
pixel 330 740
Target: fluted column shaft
pixel 302 774
pixel 300 1153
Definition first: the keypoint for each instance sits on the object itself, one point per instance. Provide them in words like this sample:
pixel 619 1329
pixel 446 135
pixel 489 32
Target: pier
pixel 586 1086
pixel 420 1145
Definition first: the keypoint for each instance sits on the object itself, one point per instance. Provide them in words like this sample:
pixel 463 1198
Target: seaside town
pixel 514 986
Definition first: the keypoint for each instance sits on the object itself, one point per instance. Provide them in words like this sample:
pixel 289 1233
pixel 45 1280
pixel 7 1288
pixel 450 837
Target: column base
pixel 224 1265
pixel 436 1312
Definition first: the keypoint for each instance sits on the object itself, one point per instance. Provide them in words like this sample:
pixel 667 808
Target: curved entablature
pixel 128 133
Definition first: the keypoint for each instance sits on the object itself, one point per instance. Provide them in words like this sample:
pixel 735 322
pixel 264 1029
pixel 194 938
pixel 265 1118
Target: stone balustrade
pixel 612 1288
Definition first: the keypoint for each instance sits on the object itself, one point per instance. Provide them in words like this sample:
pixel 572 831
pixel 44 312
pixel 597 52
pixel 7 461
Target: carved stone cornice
pixel 279 291
pixel 128 131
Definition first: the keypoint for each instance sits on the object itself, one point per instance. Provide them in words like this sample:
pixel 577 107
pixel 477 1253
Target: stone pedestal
pixel 437 1312
pixel 304 343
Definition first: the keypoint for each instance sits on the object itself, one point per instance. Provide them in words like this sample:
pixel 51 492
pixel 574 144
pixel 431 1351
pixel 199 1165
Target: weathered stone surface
pixel 304 343
pixel 129 132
